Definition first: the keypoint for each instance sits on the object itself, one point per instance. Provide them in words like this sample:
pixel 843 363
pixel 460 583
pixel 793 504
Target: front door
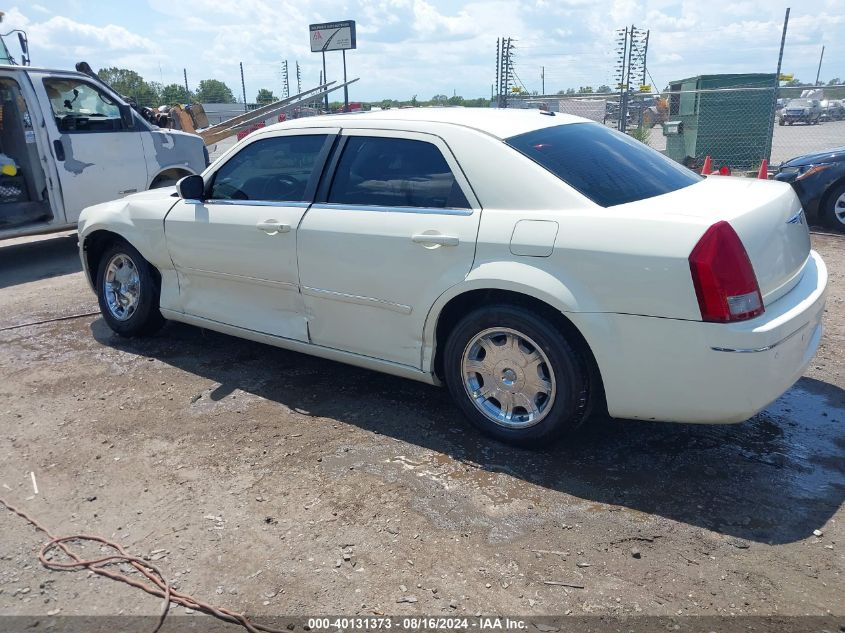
pixel 98 158
pixel 397 227
pixel 235 253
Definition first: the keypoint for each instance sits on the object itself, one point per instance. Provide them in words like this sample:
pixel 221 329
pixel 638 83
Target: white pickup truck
pixel 68 141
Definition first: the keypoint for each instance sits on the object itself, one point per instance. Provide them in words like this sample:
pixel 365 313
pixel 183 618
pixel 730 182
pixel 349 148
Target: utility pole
pixel 819 71
pixel 298 80
pixel 498 66
pixel 543 80
pixel 187 92
pixel 504 68
pixel 285 80
pixel 243 85
pixel 773 113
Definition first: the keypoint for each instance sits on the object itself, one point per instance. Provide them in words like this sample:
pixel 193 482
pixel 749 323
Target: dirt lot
pixel 276 483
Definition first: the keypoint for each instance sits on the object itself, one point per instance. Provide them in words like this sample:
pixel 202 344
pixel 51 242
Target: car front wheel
pixel 128 291
pixel 515 375
pixel 834 212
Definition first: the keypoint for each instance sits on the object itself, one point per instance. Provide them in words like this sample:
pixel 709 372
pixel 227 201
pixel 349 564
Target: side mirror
pixel 126 115
pixel 191 188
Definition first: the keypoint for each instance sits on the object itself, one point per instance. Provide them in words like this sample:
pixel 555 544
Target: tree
pixel 214 91
pixel 603 88
pixel 585 89
pixel 439 99
pixel 834 82
pixel 130 84
pixel 456 100
pixel 174 93
pixel 265 96
pixel 414 101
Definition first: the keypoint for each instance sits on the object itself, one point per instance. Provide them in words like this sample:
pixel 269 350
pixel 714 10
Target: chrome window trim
pixel 330 206
pixel 260 203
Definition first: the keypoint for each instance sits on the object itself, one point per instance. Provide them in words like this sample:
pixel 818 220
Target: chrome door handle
pixel 427 239
pixel 271 227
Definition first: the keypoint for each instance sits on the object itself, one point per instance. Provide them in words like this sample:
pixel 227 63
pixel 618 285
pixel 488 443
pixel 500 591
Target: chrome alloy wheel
pixel 122 286
pixel 839 209
pixel 508 378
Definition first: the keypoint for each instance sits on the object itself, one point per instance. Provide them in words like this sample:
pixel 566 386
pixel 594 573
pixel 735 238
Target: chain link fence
pixel 737 127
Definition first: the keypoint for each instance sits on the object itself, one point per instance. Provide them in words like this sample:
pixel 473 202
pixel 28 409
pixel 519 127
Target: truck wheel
pixel 833 213
pixel 780 122
pixel 516 376
pixel 128 291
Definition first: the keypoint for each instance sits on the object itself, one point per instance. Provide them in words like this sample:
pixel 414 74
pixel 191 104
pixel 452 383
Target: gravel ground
pixel 276 483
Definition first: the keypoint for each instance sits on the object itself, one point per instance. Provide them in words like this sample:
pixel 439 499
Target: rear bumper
pixel 689 371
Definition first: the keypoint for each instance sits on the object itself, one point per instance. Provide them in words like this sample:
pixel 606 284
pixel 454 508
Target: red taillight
pixel 724 279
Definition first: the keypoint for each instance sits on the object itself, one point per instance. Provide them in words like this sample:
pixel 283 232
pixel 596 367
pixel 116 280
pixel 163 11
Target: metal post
pixel 619 115
pixel 776 86
pixel 819 71
pixel 645 56
pixel 298 80
pixel 243 85
pixel 543 80
pixel 287 78
pixel 187 92
pixel 498 65
pixel 325 80
pixel 345 88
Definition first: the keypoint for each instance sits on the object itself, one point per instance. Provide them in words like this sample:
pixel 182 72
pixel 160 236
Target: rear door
pixel 98 158
pixel 235 252
pixel 394 228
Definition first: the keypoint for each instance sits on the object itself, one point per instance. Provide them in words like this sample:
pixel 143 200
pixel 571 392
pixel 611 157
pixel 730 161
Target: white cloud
pixel 427 47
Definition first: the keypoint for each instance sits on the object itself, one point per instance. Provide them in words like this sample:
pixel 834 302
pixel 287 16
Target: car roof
pixel 498 122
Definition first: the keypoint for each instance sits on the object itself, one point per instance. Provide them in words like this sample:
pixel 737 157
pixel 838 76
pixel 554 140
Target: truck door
pixel 98 158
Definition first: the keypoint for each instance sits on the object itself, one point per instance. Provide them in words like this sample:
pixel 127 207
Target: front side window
pixel 606 166
pixel 395 172
pixel 272 169
pixel 80 107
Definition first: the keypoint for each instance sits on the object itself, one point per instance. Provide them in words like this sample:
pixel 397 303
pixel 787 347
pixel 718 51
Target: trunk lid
pixel 766 215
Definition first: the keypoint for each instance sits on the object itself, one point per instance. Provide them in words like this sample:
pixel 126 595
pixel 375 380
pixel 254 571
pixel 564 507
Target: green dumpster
pixel 727 117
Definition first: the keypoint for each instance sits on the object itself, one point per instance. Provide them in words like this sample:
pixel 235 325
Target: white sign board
pixel 332 36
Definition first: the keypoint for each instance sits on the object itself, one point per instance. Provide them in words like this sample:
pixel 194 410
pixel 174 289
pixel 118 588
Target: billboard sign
pixel 332 36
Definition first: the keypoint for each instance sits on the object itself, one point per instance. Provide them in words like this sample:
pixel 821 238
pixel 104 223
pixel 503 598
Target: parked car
pixel 800 111
pixel 819 181
pixel 542 266
pixel 832 110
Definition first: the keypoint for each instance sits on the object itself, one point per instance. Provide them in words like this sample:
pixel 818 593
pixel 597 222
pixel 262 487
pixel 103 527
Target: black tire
pixel 829 211
pixel 144 317
pixel 780 122
pixel 567 366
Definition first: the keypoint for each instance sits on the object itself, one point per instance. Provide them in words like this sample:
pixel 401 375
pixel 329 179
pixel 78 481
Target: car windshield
pixel 608 167
pixel 799 103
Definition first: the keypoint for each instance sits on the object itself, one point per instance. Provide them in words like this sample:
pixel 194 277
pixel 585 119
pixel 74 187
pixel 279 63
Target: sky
pixel 429 47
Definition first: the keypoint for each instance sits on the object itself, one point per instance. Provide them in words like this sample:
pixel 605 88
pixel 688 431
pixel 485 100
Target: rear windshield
pixel 608 167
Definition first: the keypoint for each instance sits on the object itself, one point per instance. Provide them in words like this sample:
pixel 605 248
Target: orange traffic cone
pixel 763 174
pixel 708 166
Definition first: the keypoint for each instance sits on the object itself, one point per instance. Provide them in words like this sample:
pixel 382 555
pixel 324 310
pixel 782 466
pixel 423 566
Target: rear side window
pixel 272 169
pixel 395 172
pixel 608 167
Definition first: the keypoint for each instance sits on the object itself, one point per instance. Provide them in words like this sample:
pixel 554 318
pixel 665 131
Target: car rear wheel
pixel 128 291
pixel 834 212
pixel 515 375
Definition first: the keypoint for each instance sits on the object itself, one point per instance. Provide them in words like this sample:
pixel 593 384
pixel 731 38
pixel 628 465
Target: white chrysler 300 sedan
pixel 541 266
